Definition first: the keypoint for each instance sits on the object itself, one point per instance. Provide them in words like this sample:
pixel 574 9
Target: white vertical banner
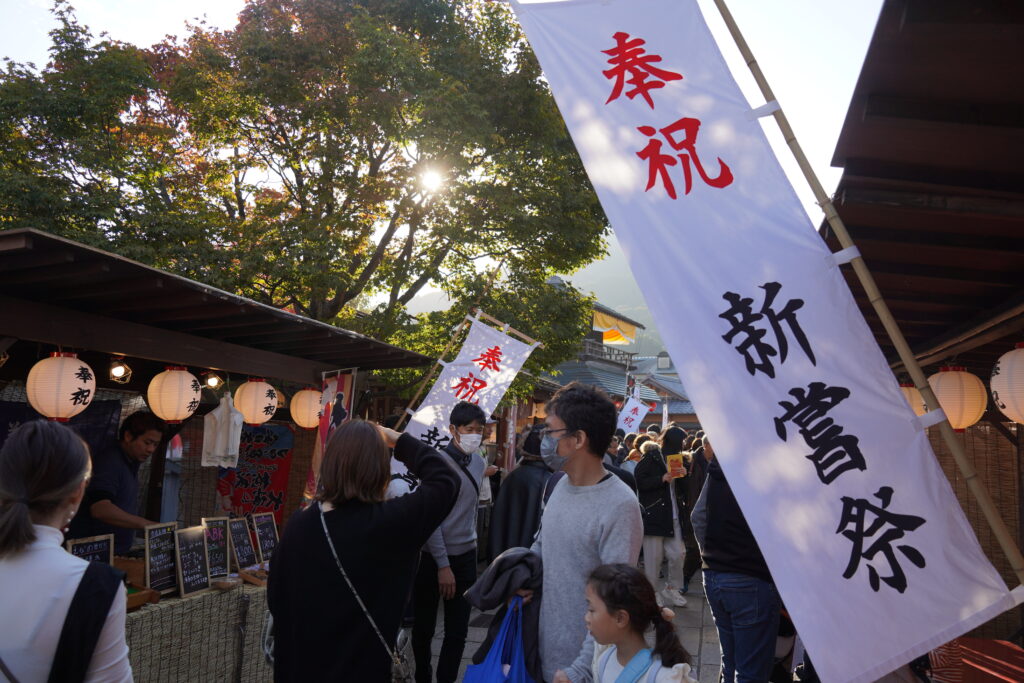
pixel 832 469
pixel 482 372
pixel 632 414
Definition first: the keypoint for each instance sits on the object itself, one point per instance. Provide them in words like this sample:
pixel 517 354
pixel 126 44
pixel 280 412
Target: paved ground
pixel 694 624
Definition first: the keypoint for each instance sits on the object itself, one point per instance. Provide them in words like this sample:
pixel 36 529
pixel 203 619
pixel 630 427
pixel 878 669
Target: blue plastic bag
pixel 506 650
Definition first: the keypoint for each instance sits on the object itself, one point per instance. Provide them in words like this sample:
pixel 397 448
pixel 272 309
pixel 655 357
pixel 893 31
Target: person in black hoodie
pixel 516 515
pixel 663 505
pixel 737 582
pixel 321 631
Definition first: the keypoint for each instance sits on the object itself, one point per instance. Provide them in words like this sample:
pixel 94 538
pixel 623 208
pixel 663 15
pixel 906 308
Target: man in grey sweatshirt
pixel 591 518
pixel 448 563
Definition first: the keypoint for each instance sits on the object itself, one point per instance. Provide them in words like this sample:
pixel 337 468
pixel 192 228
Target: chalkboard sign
pixel 266 534
pixel 241 543
pixel 193 564
pixel 94 548
pixel 217 544
pixel 160 557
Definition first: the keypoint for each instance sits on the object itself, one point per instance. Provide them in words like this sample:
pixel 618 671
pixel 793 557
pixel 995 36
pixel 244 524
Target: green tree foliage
pixel 287 160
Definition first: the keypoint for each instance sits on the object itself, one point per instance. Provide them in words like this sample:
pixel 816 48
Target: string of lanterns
pixel 62 386
pixel 963 397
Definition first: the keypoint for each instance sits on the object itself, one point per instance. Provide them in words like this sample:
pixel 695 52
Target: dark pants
pixel 456 617
pixel 746 611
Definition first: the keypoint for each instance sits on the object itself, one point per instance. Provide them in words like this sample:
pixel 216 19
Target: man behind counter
pixel 111 499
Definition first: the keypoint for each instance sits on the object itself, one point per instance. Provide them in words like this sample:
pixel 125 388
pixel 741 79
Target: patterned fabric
pixel 947 663
pixel 260 482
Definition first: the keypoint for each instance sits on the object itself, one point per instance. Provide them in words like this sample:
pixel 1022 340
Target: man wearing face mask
pixel 591 518
pixel 448 562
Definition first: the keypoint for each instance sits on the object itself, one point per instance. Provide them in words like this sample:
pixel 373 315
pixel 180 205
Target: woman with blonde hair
pixel 64 617
pixel 340 578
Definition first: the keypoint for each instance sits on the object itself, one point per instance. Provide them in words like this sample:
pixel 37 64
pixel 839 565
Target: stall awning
pixel 615 328
pixel 59 292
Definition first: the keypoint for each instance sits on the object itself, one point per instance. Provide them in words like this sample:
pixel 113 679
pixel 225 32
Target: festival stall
pixel 249 393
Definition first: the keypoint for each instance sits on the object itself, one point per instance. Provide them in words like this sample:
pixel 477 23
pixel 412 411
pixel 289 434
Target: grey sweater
pixel 457 533
pixel 582 528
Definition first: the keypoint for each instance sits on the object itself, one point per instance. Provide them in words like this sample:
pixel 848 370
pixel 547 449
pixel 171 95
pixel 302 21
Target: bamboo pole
pixel 511 330
pixel 974 484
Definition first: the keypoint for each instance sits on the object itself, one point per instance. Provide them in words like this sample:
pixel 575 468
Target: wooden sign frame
pixel 227 546
pixel 174 528
pixel 234 553
pixel 256 528
pixel 92 539
pixel 177 558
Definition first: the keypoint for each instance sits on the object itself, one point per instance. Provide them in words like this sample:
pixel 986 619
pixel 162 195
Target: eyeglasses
pixel 547 431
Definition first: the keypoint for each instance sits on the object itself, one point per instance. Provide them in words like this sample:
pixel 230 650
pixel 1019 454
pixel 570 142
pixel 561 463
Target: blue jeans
pixel 746 611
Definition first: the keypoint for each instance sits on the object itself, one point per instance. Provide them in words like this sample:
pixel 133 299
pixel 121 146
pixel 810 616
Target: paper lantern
pixel 256 400
pixel 914 398
pixel 174 394
pixel 1008 384
pixel 961 395
pixel 60 386
pixel 305 408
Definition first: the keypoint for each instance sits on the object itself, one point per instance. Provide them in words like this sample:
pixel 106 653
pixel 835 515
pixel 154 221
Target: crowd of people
pixel 594 531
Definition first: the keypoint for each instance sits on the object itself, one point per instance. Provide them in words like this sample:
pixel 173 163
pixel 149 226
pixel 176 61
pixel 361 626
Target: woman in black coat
pixel 663 504
pixel 321 632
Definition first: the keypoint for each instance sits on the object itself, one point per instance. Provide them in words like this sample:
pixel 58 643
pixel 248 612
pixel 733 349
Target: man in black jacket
pixel 516 515
pixel 737 582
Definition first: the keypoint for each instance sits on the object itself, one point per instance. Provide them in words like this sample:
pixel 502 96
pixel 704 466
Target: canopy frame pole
pixel 970 474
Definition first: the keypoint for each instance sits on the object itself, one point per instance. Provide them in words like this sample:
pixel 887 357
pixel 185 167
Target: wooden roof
pixel 56 291
pixel 933 183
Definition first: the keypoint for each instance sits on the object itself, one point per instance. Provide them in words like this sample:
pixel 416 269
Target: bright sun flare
pixel 432 181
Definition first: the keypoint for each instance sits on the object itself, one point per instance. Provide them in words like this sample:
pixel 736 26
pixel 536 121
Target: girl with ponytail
pixel 621 609
pixel 64 617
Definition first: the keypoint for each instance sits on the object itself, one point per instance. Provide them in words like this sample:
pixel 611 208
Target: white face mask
pixel 469 443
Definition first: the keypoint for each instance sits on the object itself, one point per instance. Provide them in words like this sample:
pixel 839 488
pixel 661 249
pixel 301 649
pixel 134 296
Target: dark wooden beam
pixel 174 299
pixel 33 321
pixel 220 309
pixel 124 287
pixel 955 112
pixel 13 261
pixel 982 276
pixel 949 240
pixel 70 272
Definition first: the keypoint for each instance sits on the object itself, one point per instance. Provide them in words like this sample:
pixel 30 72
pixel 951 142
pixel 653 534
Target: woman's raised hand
pixel 390 436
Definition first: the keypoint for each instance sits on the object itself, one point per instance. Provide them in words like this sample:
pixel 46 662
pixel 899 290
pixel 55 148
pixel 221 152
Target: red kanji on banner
pixel 489 359
pixel 628 421
pixel 467 387
pixel 658 163
pixel 635 411
pixel 629 58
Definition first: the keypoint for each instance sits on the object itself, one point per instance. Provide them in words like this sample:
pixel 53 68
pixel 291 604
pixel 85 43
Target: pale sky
pixel 810 50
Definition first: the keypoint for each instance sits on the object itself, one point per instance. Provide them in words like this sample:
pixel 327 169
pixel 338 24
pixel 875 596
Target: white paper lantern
pixel 174 394
pixel 961 395
pixel 305 408
pixel 60 386
pixel 914 398
pixel 1008 384
pixel 256 400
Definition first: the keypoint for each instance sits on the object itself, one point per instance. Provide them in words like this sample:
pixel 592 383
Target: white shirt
pixel 222 434
pixel 36 588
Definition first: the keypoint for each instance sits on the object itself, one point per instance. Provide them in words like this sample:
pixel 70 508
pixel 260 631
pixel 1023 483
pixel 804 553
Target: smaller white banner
pixel 632 414
pixel 483 371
